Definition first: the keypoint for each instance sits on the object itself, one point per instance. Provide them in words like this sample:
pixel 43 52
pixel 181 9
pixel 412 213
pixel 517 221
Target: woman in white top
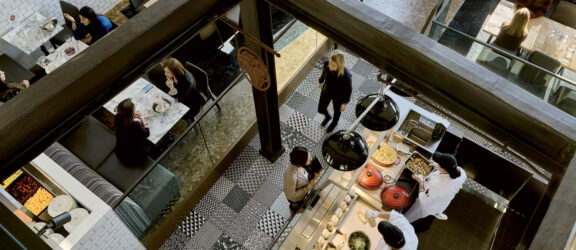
pixel 296 181
pixel 436 191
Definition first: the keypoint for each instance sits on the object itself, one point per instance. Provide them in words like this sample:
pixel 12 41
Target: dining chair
pixel 565 13
pixel 66 32
pixel 534 79
pixel 494 61
pixel 567 102
pixel 202 80
pixel 134 8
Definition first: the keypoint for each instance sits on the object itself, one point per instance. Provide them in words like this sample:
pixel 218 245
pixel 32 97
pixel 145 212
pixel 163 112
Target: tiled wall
pixel 109 233
pixel 48 8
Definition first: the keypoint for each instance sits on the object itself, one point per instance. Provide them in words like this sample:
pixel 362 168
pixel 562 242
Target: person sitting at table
pixel 512 34
pixel 296 181
pixel 436 191
pixel 132 145
pixel 92 26
pixel 9 89
pixel 397 233
pixel 183 87
pixel 537 8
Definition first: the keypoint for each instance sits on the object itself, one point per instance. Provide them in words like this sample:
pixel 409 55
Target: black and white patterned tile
pixel 314 131
pixel 206 205
pixel 251 180
pixel 357 80
pixel 191 223
pixel 296 100
pixel 258 240
pixel 241 164
pixel 271 223
pixel 281 206
pixel 255 142
pixel 267 193
pixel 349 59
pixel 310 108
pixel 221 188
pixel 285 113
pixel 262 166
pixel 226 242
pixel 222 216
pixel 246 221
pixel 237 198
pixel 308 85
pixel 365 69
pixel 177 240
pixel 298 121
pixel 207 235
pixel 191 245
pixel 370 86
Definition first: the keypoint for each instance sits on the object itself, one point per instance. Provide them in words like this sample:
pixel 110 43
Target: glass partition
pixel 537 72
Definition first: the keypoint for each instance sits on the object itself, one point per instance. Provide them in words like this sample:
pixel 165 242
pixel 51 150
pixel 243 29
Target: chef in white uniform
pixel 396 230
pixel 437 190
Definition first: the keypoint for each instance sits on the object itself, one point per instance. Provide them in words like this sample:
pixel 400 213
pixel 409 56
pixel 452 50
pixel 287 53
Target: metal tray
pixel 414 155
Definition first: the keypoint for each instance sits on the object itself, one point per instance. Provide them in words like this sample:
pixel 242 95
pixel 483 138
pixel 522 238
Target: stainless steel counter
pixel 335 185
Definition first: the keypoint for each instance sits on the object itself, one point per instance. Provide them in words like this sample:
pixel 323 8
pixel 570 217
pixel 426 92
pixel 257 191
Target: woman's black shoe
pixel 331 128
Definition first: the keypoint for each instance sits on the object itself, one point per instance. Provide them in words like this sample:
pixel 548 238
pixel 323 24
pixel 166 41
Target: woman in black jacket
pixel 132 145
pixel 183 86
pixel 336 85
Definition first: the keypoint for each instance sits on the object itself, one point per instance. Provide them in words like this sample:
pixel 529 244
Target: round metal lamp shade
pixel 345 154
pixel 383 116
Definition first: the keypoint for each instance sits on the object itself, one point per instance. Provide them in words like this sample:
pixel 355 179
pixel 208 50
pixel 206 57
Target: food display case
pixel 335 220
pixel 41 191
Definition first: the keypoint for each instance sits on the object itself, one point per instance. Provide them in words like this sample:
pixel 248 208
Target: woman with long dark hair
pixel 92 26
pixel 336 85
pixel 132 145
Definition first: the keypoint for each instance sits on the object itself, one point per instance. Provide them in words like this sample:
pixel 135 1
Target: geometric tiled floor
pixel 246 208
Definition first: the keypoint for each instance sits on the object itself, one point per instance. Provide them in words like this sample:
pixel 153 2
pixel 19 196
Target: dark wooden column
pixel 256 21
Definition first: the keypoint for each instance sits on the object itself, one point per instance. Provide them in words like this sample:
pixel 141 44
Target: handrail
pixel 284 30
pixel 438 9
pixel 506 53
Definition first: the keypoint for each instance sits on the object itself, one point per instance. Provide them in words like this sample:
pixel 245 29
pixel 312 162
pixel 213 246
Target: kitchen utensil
pixel 370 178
pixel 385 156
pixel 395 197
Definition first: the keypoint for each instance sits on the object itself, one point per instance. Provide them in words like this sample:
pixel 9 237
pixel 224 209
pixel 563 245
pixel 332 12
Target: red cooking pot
pixel 371 178
pixel 395 197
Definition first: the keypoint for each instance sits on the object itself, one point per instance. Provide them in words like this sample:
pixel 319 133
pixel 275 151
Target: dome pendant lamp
pixel 347 150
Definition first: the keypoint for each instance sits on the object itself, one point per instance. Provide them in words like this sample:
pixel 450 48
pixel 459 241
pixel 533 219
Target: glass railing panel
pixel 166 185
pixel 223 127
pixel 538 73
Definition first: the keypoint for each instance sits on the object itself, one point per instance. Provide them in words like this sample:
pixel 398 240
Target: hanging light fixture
pixel 347 150
pixel 383 116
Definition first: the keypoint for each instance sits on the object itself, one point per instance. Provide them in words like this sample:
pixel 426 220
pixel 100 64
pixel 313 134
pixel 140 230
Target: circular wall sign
pixel 254 69
pixel 12 17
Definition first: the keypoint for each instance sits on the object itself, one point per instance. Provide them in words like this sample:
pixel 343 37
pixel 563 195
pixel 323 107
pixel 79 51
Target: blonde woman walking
pixel 336 85
pixel 515 32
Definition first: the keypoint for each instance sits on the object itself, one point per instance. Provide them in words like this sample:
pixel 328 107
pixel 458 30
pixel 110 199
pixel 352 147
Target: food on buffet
pixel 22 189
pixel 385 155
pixel 361 217
pixel 12 178
pixel 39 201
pixel 359 241
pixel 418 165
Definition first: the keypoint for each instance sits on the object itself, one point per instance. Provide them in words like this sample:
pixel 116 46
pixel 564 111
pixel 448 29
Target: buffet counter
pixel 328 222
pixel 42 190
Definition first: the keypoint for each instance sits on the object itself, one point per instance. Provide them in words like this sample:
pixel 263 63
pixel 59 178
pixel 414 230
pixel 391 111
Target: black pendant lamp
pixel 347 150
pixel 383 116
